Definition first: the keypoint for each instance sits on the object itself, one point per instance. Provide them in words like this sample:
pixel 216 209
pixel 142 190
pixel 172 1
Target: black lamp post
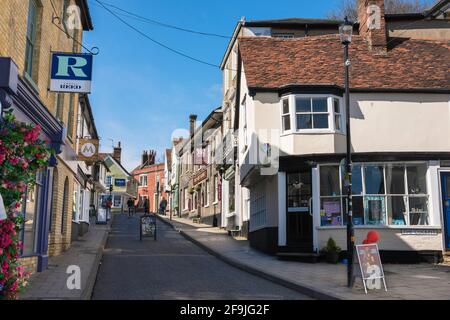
pixel 345 32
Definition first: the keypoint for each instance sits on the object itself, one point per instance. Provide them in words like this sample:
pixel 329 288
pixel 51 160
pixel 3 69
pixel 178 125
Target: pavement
pixel 85 253
pixel 320 280
pixel 173 268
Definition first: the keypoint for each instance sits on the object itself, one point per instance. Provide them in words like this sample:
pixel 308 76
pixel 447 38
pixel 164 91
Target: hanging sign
pixel 71 72
pixel 3 215
pixel 88 150
pixel 370 265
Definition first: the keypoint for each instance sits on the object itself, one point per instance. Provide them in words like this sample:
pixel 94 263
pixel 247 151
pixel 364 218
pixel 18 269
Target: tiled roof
pixel 408 64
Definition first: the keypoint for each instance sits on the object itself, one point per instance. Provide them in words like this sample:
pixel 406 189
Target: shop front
pixel 21 97
pixel 406 201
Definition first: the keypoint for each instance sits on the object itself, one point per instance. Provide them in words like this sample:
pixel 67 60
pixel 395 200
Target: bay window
pixel 383 194
pixel 300 113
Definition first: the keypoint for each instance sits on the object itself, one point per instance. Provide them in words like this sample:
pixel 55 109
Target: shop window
pixel 330 201
pixel 207 191
pixel 231 196
pixel 373 179
pixel 75 204
pixel 65 205
pixel 383 194
pixel 29 209
pixel 117 202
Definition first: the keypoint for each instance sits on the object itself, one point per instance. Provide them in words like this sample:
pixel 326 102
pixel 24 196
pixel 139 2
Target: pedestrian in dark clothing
pixel 163 206
pixel 146 206
pixel 130 204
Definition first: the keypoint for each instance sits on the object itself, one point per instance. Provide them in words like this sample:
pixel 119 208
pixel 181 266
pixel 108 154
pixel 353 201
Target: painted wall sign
pixel 420 232
pixel 71 72
pixel 200 177
pixel 370 265
pixel 88 150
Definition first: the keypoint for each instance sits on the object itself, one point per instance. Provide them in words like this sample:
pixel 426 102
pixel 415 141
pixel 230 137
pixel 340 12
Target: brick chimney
pixel 372 24
pixel 151 157
pixel 144 157
pixel 117 153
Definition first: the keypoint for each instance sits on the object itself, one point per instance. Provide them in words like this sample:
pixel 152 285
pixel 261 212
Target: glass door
pixel 299 210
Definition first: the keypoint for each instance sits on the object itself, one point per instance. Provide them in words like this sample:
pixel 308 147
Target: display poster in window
pixel 371 267
pixel 331 213
pixel 374 210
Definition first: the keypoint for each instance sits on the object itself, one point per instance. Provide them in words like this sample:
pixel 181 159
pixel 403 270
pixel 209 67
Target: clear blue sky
pixel 141 92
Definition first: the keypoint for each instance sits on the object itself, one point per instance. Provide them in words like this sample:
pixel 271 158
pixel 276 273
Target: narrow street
pixel 172 268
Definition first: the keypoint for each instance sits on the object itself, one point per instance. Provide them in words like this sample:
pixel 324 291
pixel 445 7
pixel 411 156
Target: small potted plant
pixel 331 251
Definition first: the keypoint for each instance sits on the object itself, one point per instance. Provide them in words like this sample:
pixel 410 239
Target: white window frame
pixel 143 178
pixel 330 111
pixel 385 195
pixel 207 191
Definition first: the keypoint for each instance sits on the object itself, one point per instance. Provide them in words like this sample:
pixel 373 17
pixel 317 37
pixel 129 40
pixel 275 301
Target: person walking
pixel 163 206
pixel 130 204
pixel 146 206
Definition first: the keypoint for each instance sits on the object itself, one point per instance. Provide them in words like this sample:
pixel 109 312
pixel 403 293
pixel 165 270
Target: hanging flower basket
pixel 22 155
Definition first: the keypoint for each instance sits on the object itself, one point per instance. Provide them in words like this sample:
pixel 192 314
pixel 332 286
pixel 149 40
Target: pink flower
pixel 14 160
pixel 1 251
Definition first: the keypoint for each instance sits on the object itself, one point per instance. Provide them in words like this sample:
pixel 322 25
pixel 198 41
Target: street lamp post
pixel 345 32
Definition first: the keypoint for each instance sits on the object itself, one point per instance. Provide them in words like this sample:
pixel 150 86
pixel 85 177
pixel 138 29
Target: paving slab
pixel 86 253
pixel 320 280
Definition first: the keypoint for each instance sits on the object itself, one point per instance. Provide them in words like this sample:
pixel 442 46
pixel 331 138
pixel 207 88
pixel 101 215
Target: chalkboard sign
pixel 101 216
pixel 370 265
pixel 147 226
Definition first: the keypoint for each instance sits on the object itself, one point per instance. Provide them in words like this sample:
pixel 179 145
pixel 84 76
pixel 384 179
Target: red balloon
pixel 373 237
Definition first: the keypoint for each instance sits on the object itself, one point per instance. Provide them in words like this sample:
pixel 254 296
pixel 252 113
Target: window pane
pixel 396 209
pixel 395 179
pixel 374 209
pixel 320 121
pixel 285 106
pixel 299 190
pixel 329 181
pixel 337 121
pixel 358 211
pixel 356 179
pixel 330 212
pixel 304 121
pixel 320 105
pixel 374 179
pixel 303 105
pixel 417 183
pixel 418 211
pixel 337 107
pixel 29 226
pixel 286 123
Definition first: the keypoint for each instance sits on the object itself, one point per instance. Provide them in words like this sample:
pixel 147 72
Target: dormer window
pixel 311 114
